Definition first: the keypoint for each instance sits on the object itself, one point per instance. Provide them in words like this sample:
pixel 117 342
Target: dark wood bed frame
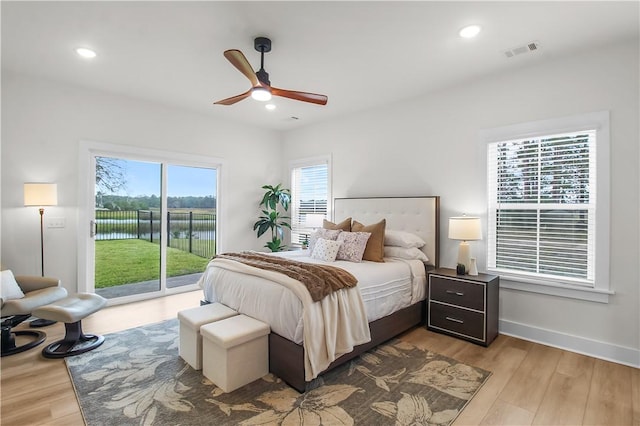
pixel 286 359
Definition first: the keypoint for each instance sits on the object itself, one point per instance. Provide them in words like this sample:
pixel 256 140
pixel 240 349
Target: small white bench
pixel 190 322
pixel 235 351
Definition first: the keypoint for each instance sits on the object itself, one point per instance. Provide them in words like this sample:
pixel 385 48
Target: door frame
pixel 86 207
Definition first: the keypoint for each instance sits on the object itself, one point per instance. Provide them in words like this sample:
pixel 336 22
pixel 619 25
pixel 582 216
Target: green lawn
pixel 131 261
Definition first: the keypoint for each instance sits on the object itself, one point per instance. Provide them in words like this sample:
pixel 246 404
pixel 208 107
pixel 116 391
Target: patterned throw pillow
pixel 326 250
pixel 327 234
pixel 353 245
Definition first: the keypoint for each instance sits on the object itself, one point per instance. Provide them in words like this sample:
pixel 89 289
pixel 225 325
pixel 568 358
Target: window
pixel 310 194
pixel 547 223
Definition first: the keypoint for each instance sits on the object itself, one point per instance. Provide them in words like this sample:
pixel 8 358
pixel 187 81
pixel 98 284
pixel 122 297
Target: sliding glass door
pixel 153 225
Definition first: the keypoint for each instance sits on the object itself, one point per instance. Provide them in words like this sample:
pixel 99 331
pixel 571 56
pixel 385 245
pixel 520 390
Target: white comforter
pixel 329 328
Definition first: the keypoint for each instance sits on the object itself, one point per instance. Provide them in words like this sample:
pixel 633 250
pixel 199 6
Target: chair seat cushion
pixel 32 300
pixel 72 308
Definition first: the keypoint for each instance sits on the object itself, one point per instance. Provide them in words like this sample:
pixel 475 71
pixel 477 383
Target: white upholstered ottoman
pixel 190 322
pixel 235 351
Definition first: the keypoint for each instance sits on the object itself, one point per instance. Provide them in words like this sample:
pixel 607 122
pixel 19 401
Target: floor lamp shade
pixel 41 194
pixel 465 228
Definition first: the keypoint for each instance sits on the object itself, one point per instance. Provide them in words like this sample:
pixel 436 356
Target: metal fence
pixel 192 232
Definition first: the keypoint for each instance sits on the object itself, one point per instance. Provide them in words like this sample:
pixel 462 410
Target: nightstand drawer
pixel 457 320
pixel 457 292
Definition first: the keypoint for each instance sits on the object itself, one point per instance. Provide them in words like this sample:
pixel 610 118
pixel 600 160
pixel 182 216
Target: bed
pixel 386 316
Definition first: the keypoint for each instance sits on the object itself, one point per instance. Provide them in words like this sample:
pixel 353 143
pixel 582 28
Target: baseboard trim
pixel 581 345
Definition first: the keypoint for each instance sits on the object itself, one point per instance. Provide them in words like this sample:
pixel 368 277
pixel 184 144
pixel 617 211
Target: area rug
pixel 137 378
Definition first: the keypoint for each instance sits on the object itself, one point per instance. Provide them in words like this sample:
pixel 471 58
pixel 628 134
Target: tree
pixel 110 175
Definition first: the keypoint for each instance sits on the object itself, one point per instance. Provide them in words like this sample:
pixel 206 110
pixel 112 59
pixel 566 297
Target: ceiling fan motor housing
pixel 263 76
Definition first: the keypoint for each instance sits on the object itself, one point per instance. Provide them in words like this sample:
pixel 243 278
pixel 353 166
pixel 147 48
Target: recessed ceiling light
pixel 470 31
pixel 85 53
pixel 270 107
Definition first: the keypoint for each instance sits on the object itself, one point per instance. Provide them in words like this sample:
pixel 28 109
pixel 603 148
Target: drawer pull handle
pixel 457 293
pixel 459 321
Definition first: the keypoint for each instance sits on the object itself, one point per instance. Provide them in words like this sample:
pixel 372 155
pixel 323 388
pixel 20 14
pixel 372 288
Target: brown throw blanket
pixel 320 280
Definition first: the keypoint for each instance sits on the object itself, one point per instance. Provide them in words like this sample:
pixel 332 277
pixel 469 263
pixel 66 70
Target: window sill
pixel 572 292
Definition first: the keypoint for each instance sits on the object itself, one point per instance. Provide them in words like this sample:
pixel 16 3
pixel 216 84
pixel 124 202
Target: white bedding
pixel 385 288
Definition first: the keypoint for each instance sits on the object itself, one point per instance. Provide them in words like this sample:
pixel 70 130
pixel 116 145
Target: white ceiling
pixel 359 54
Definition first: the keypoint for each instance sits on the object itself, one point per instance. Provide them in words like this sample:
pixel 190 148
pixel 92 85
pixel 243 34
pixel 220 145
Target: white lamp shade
pixel 40 194
pixel 313 220
pixel 465 228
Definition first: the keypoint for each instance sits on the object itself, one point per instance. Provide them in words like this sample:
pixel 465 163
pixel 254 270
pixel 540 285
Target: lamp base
pixel 464 256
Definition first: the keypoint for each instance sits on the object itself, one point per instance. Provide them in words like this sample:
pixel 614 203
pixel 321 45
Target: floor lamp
pixel 41 194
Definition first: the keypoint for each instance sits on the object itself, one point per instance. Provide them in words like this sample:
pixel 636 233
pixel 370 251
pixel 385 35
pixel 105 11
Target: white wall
pixel 430 146
pixel 42 125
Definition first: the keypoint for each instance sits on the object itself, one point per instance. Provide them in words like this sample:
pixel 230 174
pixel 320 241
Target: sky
pixel 144 179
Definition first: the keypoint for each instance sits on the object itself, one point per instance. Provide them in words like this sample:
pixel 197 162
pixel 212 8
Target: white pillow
pixel 353 245
pixel 327 234
pixel 10 288
pixel 405 253
pixel 326 250
pixel 402 239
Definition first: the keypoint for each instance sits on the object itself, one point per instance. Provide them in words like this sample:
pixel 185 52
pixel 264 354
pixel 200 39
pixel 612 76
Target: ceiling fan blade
pixel 314 98
pixel 232 100
pixel 239 61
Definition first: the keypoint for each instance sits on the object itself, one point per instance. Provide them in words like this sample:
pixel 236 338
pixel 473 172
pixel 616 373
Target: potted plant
pixel 271 219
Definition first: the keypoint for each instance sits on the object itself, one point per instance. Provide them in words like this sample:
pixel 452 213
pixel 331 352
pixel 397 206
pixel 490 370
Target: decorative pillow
pixel 353 245
pixel 402 239
pixel 345 225
pixel 375 246
pixel 9 287
pixel 326 250
pixel 405 253
pixel 327 234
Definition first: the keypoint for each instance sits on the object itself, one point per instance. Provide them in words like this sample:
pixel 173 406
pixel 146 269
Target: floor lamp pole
pixel 40 322
pixel 42 240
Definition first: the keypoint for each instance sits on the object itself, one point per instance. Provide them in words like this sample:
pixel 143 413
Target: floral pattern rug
pixel 137 378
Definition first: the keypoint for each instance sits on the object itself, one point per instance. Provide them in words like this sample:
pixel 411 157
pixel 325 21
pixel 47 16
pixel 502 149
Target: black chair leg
pixel 9 337
pixel 75 342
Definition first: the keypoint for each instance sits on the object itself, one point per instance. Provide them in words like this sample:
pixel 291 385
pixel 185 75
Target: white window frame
pixel 598 121
pixel 308 162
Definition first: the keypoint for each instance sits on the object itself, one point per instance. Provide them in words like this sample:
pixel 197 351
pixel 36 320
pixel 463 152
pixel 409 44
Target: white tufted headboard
pixel 418 215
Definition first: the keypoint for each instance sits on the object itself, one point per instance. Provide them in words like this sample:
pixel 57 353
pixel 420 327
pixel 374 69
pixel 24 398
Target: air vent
pixel 519 50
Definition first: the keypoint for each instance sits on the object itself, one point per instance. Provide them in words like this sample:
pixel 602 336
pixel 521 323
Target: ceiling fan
pixel 261 88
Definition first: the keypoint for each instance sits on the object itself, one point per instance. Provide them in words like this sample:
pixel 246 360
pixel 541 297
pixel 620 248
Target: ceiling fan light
pixel 261 94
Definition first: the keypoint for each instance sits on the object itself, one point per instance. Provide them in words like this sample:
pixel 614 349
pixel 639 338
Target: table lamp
pixel 464 229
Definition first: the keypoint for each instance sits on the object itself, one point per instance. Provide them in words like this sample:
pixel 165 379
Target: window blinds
pixel 309 191
pixel 542 206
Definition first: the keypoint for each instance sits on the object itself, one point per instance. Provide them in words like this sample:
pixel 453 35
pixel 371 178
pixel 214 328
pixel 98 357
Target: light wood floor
pixel 530 384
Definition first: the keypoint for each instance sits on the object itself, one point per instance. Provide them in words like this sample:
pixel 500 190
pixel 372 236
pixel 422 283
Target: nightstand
pixel 463 306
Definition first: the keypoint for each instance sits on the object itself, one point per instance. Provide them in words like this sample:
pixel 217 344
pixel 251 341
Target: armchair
pixel 20 296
